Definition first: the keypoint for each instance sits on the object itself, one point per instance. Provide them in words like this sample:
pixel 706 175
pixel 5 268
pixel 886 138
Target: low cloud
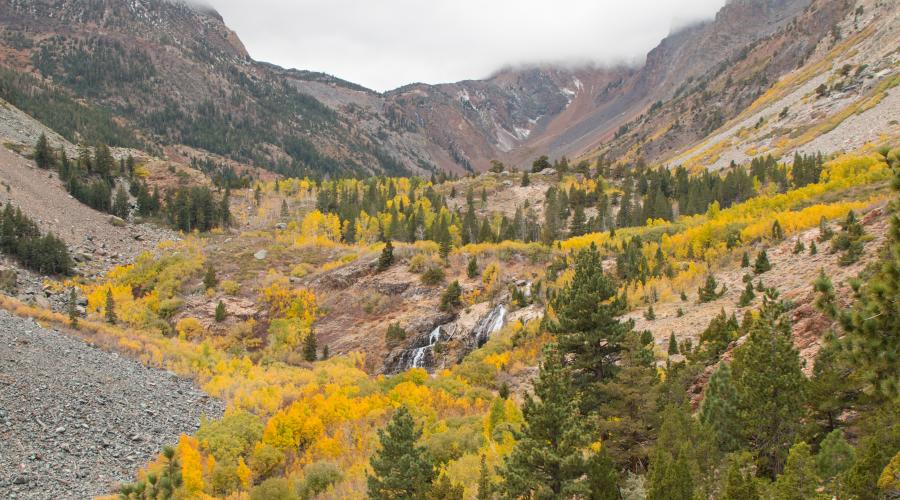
pixel 388 43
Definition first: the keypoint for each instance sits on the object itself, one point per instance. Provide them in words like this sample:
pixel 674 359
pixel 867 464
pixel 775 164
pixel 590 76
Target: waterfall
pixel 417 357
pixel 489 324
pixel 420 353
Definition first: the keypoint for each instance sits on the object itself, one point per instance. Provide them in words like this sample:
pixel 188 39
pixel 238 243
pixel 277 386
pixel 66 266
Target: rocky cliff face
pixel 520 113
pixel 723 67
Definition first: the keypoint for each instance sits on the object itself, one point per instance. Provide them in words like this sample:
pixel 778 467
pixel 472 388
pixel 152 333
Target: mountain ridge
pixel 195 84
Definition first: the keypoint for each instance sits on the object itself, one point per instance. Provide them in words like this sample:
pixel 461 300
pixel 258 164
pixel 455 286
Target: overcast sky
pixel 383 44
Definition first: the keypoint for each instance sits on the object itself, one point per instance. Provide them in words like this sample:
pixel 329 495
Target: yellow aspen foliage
pixel 189 328
pixel 287 334
pixel 244 474
pixel 191 466
pixel 498 360
pixel 490 275
pixel 284 302
pixel 96 296
pixel 317 225
pixel 889 481
pixel 293 428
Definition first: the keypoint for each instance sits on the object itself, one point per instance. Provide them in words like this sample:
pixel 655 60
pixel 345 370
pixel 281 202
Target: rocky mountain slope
pixel 521 113
pixel 770 91
pixel 176 74
pixel 76 421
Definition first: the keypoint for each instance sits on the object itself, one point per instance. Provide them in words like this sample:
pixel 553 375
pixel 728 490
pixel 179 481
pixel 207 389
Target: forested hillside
pixel 677 280
pixel 611 408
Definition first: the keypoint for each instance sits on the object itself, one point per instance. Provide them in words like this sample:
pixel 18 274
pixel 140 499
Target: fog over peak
pixel 389 43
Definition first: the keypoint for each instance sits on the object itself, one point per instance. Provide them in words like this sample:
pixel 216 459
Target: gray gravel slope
pixel 75 420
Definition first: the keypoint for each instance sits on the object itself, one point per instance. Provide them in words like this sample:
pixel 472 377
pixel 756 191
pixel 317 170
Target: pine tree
pixel 210 280
pixel 220 312
pixel 547 461
pixel 325 352
pixel 673 344
pixel 873 455
pixel 835 455
pixel 110 307
pixel 451 298
pixel 672 460
pixel 444 249
pixel 872 325
pixel 120 204
pixel 485 483
pixel 799 247
pixel 720 332
pixel 525 180
pixel 310 347
pixel 770 386
pixel 444 489
pixel 601 477
pixel 104 163
pixel 401 469
pixel 632 396
pixel 472 267
pixel 550 229
pixel 849 241
pixel 740 482
pixel 578 225
pixel 835 386
pixel 812 248
pixel 625 216
pixel 650 314
pixel 485 234
pixel 719 409
pixel 761 264
pixel 747 296
pixel 72 309
pixel 708 292
pixel 777 231
pixel 745 260
pixel 43 154
pixel 590 336
pixel 387 256
pixel 799 479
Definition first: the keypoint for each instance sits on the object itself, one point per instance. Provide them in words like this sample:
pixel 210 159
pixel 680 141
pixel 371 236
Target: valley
pixel 225 279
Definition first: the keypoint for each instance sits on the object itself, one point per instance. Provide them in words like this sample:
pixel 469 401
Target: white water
pixel 418 354
pixel 490 324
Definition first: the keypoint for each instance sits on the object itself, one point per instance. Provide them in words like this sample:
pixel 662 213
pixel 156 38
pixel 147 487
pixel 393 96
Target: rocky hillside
pixel 76 420
pixel 770 91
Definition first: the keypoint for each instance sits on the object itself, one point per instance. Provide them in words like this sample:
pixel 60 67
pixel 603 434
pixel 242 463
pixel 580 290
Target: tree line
pixel 98 180
pixel 21 238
